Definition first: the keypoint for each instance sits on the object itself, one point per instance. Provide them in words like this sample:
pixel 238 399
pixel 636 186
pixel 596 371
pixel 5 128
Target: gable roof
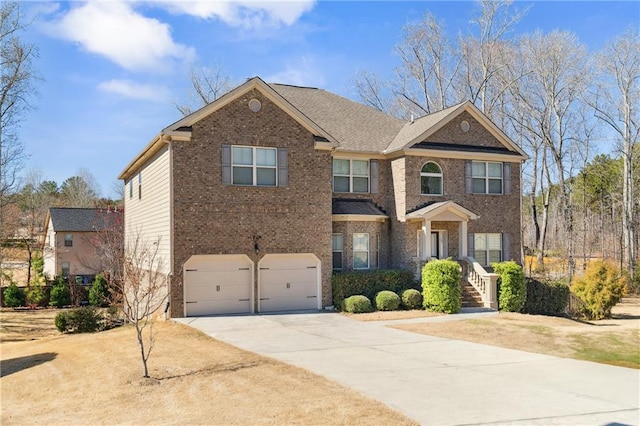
pixel 355 126
pixel 417 131
pixel 338 123
pixel 71 219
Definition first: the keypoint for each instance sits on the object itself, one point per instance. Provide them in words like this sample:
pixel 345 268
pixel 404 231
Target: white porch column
pixel 462 235
pixel 426 231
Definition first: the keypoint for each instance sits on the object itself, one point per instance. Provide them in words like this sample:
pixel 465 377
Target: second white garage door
pixel 218 284
pixel 289 282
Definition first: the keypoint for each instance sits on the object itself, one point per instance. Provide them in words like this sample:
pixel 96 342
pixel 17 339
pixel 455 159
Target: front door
pixel 435 245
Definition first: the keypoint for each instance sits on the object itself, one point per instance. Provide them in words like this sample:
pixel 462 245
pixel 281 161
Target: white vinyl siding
pixel 150 216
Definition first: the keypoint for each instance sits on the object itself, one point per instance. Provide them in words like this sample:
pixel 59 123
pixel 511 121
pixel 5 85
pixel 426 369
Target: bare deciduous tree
pixel 144 292
pixel 547 99
pixel 617 103
pixel 207 85
pixel 428 68
pixel 16 88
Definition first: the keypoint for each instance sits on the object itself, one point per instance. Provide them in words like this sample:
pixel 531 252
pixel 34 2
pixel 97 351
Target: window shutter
pixel 471 245
pixel 374 176
pixel 283 167
pixel 467 178
pixel 506 247
pixel 226 164
pixel 506 175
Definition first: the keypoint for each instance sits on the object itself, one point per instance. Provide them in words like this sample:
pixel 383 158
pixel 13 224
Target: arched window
pixel 431 179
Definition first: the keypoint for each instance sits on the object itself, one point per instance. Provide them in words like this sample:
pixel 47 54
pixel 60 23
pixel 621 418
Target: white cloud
pixel 248 14
pixel 303 72
pixel 113 29
pixel 131 89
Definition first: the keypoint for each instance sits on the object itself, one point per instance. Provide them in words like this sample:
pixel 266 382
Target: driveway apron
pixel 438 381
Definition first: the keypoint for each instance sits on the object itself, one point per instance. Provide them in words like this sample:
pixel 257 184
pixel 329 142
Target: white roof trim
pixel 358 218
pixel 258 84
pixel 479 116
pixel 435 209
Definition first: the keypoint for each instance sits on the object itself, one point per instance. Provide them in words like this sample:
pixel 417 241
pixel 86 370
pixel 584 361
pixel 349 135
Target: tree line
pixel 556 100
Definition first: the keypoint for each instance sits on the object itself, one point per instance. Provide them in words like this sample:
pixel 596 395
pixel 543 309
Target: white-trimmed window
pixel 139 185
pixel 130 188
pixel 254 166
pixel 350 175
pixel 68 240
pixel 487 248
pixel 360 251
pixel 431 179
pixel 486 177
pixel 337 244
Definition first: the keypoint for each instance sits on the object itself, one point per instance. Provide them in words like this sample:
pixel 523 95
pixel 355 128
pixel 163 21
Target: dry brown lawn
pixel 97 379
pixel 613 341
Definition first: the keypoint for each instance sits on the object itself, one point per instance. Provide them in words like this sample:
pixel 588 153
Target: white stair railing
pixel 486 283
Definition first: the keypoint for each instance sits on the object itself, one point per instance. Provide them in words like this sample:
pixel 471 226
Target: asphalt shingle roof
pixel 359 207
pixel 83 219
pixel 355 126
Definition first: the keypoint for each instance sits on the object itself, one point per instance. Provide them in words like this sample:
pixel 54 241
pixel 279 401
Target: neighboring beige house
pixel 254 200
pixel 71 236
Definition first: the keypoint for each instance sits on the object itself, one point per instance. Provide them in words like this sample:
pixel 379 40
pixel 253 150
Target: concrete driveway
pixel 438 381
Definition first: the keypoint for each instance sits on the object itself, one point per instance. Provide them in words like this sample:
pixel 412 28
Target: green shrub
pixel 512 287
pixel 369 283
pixel 81 320
pixel 14 296
pixel 601 288
pixel 98 293
pixel 357 304
pixel 441 286
pixel 62 322
pixel 60 294
pixel 546 297
pixel 36 295
pixel 387 300
pixel 411 299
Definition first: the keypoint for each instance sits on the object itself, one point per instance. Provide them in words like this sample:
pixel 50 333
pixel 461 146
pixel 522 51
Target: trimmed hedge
pixel 546 297
pixel 412 299
pixel 387 300
pixel 357 304
pixel 512 292
pixel 441 286
pixel 369 283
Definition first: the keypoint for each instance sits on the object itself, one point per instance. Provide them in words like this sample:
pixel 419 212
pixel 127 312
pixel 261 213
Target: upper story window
pixel 486 177
pixel 254 166
pixel 139 185
pixel 431 179
pixel 130 188
pixel 350 175
pixel 68 240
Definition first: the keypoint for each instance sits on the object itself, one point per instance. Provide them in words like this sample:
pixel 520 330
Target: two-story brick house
pixel 254 200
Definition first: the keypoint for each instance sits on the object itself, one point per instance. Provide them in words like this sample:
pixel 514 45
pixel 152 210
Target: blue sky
pixel 112 70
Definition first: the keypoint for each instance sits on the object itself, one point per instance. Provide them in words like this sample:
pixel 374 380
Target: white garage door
pixel 289 282
pixel 218 284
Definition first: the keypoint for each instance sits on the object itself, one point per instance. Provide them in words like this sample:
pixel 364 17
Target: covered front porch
pixel 443 233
